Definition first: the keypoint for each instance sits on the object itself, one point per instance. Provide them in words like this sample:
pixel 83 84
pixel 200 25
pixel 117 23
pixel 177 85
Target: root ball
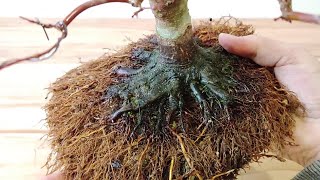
pixel 87 145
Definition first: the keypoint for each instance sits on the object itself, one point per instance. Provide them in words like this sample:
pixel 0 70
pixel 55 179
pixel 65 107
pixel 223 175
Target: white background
pixel 198 8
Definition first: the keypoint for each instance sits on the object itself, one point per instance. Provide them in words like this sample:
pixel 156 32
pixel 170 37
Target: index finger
pixel 263 51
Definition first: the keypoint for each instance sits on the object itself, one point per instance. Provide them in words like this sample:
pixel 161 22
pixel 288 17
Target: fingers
pixel 263 51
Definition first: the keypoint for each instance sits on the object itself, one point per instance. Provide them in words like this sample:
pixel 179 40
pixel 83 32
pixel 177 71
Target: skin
pixel 295 69
pixel 299 72
pixel 54 176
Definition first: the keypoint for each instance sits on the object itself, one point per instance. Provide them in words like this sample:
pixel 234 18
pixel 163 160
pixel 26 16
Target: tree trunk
pixel 174 29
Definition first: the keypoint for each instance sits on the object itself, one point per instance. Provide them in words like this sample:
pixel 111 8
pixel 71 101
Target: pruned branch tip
pixel 135 14
pixel 62 27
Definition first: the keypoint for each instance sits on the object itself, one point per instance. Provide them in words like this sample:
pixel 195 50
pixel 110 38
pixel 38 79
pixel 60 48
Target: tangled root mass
pixel 135 116
pixel 207 78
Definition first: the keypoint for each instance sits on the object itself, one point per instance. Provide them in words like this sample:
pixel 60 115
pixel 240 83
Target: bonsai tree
pixel 173 105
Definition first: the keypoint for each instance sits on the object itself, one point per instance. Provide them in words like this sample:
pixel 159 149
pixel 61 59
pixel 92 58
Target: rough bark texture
pixel 174 28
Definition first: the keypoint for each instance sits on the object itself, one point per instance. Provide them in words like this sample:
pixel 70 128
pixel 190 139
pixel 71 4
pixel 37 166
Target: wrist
pixel 310 145
pixel 311 157
pixel 307 145
pixel 314 152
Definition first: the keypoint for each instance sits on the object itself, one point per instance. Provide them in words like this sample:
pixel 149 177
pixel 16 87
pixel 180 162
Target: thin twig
pixel 135 14
pixel 62 27
pixel 45 54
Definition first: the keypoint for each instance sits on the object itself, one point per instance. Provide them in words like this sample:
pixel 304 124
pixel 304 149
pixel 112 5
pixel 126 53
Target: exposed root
pixel 140 162
pixel 186 156
pixel 202 134
pixel 208 79
pixel 219 175
pixel 171 167
pixel 187 125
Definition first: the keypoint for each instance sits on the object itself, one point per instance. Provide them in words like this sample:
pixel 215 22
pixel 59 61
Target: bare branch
pixel 62 27
pixel 289 15
pixel 135 14
pixel 45 54
pixel 90 4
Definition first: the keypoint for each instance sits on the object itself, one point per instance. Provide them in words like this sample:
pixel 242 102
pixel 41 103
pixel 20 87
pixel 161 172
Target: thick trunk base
pixel 150 119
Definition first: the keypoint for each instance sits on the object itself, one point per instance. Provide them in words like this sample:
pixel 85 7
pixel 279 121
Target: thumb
pixel 263 51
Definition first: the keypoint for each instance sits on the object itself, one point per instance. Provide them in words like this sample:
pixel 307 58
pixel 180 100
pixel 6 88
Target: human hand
pixel 300 73
pixel 53 176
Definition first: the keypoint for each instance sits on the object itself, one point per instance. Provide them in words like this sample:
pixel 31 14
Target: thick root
pixel 207 79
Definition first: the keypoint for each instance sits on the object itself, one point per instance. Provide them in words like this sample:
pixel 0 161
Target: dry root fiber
pixel 87 145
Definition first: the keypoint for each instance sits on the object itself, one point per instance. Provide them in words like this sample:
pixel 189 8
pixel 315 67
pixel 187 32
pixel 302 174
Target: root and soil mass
pixel 141 115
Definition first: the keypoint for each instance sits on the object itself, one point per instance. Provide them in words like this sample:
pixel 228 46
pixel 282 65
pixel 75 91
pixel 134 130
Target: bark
pixel 174 29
